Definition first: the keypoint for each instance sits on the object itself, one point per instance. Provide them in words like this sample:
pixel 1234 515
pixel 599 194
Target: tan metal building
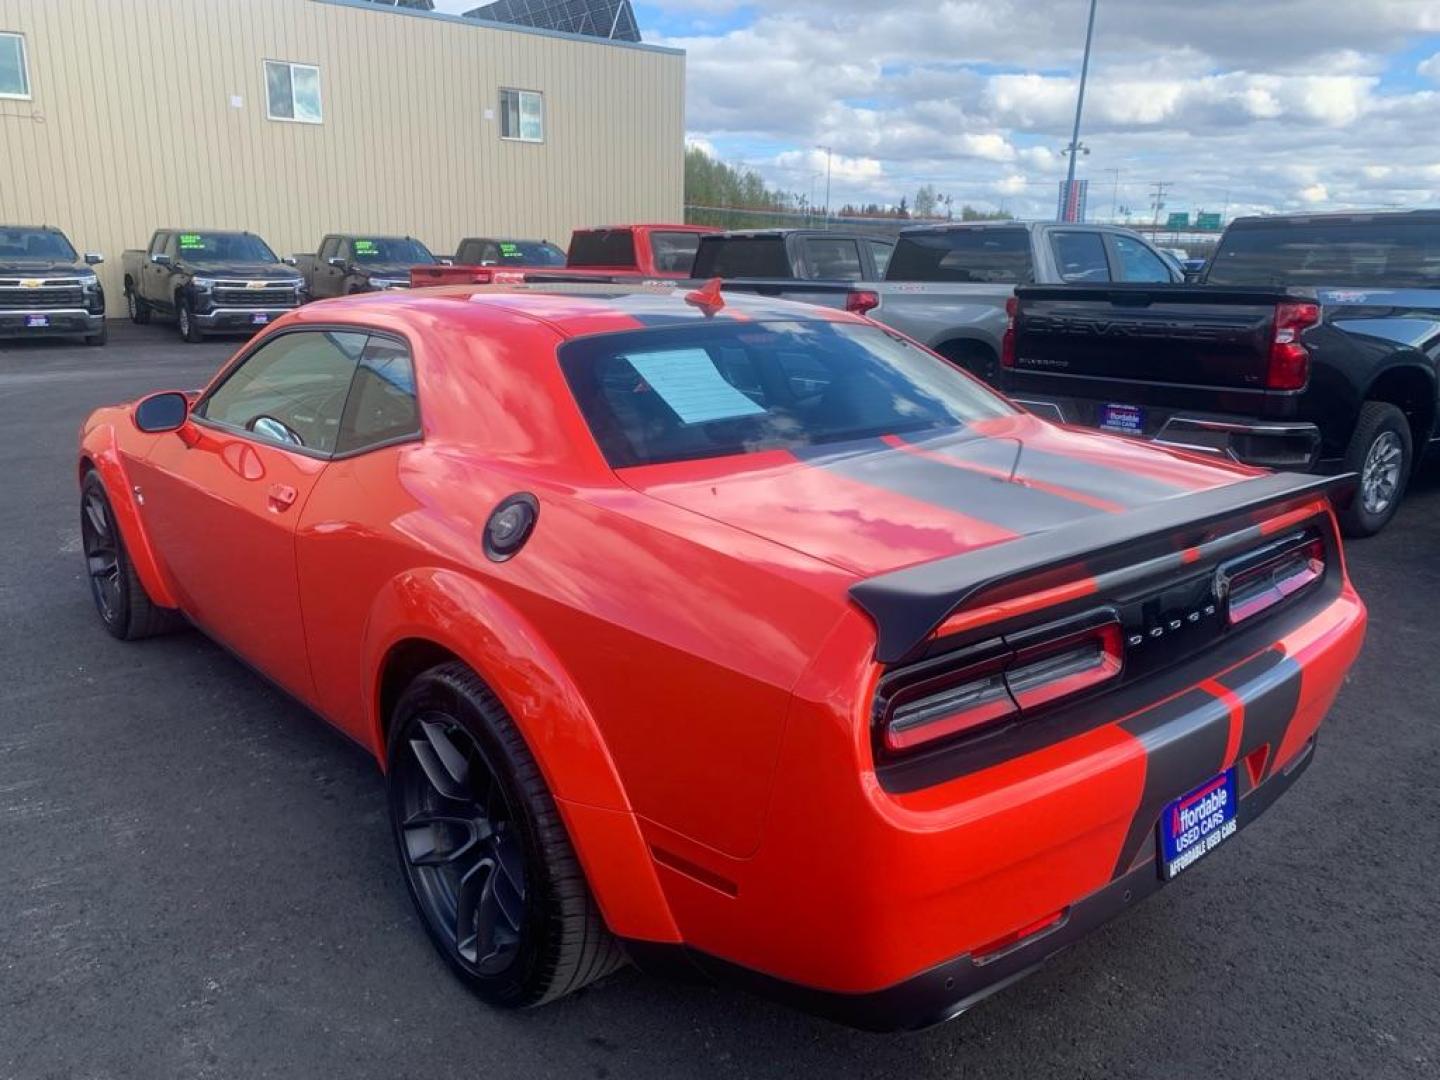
pixel 294 118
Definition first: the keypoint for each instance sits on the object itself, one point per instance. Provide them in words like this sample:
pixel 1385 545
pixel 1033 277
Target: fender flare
pixel 99 450
pixel 458 613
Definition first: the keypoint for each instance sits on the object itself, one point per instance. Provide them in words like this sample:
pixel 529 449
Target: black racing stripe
pixel 1184 740
pixel 1269 687
pixel 1009 505
pixel 1081 475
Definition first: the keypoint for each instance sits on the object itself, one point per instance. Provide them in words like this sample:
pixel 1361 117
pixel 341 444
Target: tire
pixel 1381 451
pixel 475 826
pixel 972 356
pixel 184 319
pixel 98 338
pixel 122 603
pixel 139 310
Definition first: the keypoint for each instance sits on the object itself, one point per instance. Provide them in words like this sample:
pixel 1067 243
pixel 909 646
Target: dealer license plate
pixel 1124 419
pixel 259 318
pixel 37 321
pixel 1195 824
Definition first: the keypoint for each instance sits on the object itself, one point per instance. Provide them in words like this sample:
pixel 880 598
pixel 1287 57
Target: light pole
pixel 827 186
pixel 1075 149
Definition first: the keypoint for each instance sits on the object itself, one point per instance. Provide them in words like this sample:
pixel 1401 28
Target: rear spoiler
pixel 908 605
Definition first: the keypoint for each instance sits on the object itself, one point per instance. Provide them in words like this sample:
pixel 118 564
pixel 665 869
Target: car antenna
pixel 707 298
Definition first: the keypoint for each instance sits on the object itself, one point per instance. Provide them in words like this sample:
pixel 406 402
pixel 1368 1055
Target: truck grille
pixel 53 296
pixel 270 297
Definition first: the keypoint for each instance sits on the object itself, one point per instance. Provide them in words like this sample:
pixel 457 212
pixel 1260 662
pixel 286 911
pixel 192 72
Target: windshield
pixel 983 256
pixel 699 391
pixel 1389 253
pixel 509 253
pixel 35 245
pixel 390 249
pixel 224 247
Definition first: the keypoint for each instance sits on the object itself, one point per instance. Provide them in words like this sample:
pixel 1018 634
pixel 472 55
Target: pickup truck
pixel 947 286
pixel 637 251
pixel 47 289
pixel 209 281
pixel 792 253
pixel 348 263
pixel 1312 342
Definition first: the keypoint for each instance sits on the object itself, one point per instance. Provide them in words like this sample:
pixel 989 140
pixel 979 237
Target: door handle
pixel 282 497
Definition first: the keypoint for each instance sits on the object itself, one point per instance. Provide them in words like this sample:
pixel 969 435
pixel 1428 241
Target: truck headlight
pixel 88 281
pixel 202 282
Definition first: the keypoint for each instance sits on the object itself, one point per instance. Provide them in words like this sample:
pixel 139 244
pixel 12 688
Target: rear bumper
pixel 950 988
pixel 42 323
pixel 1272 444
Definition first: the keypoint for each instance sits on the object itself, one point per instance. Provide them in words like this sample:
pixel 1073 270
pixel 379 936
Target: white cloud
pixel 1315 193
pixel 1430 68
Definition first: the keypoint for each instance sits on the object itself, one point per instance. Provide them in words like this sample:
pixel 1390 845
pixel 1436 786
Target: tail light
pixel 1255 583
pixel 861 301
pixel 994 683
pixel 1289 360
pixel 1007 342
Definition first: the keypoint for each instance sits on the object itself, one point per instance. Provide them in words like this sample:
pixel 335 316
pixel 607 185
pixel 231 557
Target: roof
pixel 1256 220
pixel 651 225
pixel 839 234
pixel 572 310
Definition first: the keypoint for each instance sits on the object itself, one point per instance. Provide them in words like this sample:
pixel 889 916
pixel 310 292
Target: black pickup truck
pixel 45 288
pixel 210 281
pixel 347 263
pixel 1311 342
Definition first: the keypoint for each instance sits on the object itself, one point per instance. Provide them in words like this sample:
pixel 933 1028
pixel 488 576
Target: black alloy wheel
pixel 101 545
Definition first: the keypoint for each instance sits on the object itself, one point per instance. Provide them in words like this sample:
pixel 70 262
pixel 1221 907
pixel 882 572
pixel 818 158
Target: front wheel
pixel 122 603
pixel 185 319
pixel 484 853
pixel 1381 452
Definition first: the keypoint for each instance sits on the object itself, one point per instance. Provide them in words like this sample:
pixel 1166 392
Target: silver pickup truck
pixel 947 285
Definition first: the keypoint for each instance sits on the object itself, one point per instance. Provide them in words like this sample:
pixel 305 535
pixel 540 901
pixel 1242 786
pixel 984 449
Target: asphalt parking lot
pixel 196 878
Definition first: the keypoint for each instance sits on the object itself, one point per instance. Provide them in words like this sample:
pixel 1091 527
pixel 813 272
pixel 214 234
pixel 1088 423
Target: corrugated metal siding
pixel 131 127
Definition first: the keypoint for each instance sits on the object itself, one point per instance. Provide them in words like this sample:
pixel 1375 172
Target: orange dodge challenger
pixel 730 635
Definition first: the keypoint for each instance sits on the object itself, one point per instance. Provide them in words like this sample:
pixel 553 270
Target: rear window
pixel 982 256
pixel 602 247
pixel 1385 253
pixel 674 252
pixel 742 256
pixel 698 391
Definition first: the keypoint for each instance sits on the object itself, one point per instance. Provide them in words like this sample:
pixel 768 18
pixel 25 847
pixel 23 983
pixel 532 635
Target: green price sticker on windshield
pixel 510 251
pixel 365 247
pixel 192 240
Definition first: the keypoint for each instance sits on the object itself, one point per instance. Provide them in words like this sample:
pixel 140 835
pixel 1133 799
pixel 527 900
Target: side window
pixel 490 255
pixel 465 254
pixel 1137 262
pixel 291 390
pixel 833 258
pixel 329 247
pixel 381 407
pixel 881 252
pixel 342 248
pixel 171 248
pixel 1080 256
pixel 157 243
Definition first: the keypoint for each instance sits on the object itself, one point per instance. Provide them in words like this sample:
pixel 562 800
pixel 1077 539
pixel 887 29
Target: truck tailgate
pixel 1172 334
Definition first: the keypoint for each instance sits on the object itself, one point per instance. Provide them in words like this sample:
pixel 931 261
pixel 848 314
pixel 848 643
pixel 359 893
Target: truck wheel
pixel 120 598
pixel 979 360
pixel 99 337
pixel 1381 452
pixel 139 310
pixel 484 853
pixel 186 321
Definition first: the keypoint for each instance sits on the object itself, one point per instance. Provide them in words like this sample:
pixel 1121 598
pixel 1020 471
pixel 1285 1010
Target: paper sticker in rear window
pixel 688 381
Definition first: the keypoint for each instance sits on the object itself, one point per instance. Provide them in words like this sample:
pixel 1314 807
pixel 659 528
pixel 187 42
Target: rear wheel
pixel 484 853
pixel 1381 452
pixel 185 319
pixel 139 310
pixel 976 358
pixel 122 603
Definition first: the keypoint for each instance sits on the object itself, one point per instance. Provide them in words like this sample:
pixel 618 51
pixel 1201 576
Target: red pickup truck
pixel 616 254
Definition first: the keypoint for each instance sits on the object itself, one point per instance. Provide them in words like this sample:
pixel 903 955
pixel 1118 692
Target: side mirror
pixel 336 261
pixel 446 262
pixel 93 258
pixel 165 411
pixel 160 259
pixel 290 260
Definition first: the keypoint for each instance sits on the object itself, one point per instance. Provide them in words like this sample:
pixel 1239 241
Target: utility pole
pixel 1075 149
pixel 1158 197
pixel 827 183
pixel 1115 196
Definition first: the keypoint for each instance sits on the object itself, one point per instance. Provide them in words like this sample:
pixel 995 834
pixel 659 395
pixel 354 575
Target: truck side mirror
pixel 166 411
pixel 93 258
pixel 290 260
pixel 160 259
pixel 336 261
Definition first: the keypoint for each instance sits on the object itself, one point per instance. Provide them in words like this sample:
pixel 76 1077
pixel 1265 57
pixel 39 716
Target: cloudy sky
pixel 1250 104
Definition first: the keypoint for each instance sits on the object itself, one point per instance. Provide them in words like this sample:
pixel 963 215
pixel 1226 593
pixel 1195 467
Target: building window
pixel 522 115
pixel 14 67
pixel 292 92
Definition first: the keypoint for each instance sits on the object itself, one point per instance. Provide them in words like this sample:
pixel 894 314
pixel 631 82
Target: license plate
pixel 259 319
pixel 37 321
pixel 1195 824
pixel 1125 419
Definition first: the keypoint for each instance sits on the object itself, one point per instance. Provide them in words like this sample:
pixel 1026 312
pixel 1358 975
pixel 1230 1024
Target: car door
pixel 1134 261
pixel 327 277
pixel 153 277
pixel 222 496
pixel 1080 256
